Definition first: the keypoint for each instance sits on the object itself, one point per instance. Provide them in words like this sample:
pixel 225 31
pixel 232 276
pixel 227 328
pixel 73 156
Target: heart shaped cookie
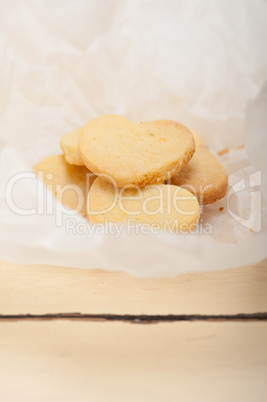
pixel 135 154
pixel 161 206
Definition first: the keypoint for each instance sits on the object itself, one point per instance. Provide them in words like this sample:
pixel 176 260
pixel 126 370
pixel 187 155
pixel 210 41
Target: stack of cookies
pixel 156 173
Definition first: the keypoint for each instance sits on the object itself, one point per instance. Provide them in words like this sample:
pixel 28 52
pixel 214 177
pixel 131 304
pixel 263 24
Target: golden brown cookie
pixel 70 184
pixel 135 154
pixel 69 145
pixel 160 206
pixel 204 176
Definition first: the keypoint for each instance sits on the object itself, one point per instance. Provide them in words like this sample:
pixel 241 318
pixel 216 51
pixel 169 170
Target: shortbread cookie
pixel 161 206
pixel 204 176
pixel 69 145
pixel 196 136
pixel 70 184
pixel 135 154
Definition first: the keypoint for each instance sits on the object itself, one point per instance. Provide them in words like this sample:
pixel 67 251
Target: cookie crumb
pixel 240 147
pixel 221 209
pixel 223 151
pixel 251 229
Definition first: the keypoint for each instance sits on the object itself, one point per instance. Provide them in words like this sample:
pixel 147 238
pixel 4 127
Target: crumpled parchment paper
pixel 202 63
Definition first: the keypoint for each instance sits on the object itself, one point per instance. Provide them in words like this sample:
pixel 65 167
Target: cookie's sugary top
pixel 135 154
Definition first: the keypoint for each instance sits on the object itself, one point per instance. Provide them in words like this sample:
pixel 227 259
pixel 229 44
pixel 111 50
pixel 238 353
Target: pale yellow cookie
pixel 70 184
pixel 69 145
pixel 135 154
pixel 204 176
pixel 160 206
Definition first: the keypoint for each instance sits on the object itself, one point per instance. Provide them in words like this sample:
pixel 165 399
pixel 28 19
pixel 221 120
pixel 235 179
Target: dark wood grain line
pixel 142 319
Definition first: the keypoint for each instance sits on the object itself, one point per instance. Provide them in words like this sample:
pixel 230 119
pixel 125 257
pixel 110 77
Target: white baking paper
pixel 203 63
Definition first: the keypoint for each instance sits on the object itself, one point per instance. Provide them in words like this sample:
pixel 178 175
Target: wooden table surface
pixel 81 335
